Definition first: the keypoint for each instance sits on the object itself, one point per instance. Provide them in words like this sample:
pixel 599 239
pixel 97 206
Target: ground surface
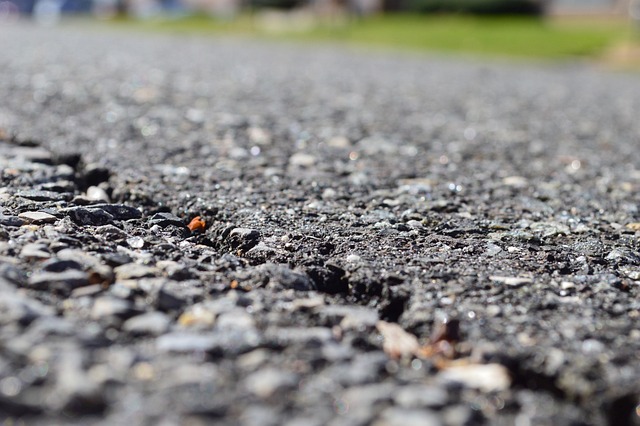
pixel 390 240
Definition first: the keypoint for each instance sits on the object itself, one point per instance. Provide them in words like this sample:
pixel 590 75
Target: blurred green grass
pixel 516 37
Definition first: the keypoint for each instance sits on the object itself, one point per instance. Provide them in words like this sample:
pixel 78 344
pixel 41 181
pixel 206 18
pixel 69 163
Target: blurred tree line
pixel 474 7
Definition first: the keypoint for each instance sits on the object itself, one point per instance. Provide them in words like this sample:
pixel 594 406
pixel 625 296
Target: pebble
pixel 14 221
pixel 186 342
pixel 197 316
pixel 150 323
pixel 38 195
pixel 16 308
pixel 267 382
pixel 419 395
pixel 396 416
pixel 119 211
pixel 485 377
pixel 281 277
pixel 134 271
pixel 243 238
pixel 349 317
pixel 511 281
pixel 95 193
pixel 36 251
pixel 64 281
pixel 107 307
pixel 37 217
pixel 623 255
pixel 89 216
pixel 301 159
pixel 166 219
pixel 135 242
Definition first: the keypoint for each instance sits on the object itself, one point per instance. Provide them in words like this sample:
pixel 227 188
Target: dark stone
pixel 165 219
pixel 243 238
pixel 94 175
pixel 57 265
pixel 37 195
pixel 10 221
pixel 116 259
pixel 90 216
pixel 329 279
pixel 119 211
pixel 63 282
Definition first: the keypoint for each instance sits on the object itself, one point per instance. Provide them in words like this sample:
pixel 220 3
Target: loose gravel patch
pixel 382 239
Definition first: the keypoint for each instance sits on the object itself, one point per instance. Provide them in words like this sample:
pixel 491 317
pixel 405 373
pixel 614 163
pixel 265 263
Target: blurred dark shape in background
pixel 229 8
pixel 226 8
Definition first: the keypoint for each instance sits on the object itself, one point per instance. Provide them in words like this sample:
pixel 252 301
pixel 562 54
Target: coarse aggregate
pixel 388 239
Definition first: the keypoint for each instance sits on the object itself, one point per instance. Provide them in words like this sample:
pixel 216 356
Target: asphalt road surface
pixel 383 238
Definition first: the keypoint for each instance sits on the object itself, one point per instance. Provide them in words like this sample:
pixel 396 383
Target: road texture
pixel 385 239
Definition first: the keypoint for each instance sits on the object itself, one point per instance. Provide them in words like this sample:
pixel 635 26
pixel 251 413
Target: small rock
pixel 95 174
pixel 105 307
pixel 111 232
pixel 37 217
pixel 281 277
pixel 89 216
pixel 64 281
pixel 38 195
pixel 95 193
pixel 197 316
pixel 515 181
pixel 550 229
pixel 174 270
pixel 134 271
pixel 339 142
pixel 485 377
pixel 301 159
pixel 151 323
pixel 135 242
pixel 397 342
pixel 349 317
pixel 35 251
pixel 236 318
pixel 269 381
pixel 15 308
pixel 13 221
pixel 395 416
pixel 185 342
pixel 492 249
pixel 166 219
pixel 419 395
pixel 511 281
pixel 623 255
pixel 119 211
pixel 243 238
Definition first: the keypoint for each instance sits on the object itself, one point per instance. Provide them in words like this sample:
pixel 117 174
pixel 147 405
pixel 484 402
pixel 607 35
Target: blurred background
pixel 607 31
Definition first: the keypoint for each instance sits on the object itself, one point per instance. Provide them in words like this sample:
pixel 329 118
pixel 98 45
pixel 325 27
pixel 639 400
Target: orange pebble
pixel 197 224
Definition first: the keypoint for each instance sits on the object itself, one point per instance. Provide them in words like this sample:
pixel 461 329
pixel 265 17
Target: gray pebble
pixel 165 219
pixel 418 395
pixel 407 417
pixel 37 217
pixel 35 251
pixel 151 323
pixel 186 342
pixel 134 271
pixel 119 211
pixel 64 281
pixel 267 382
pixel 38 195
pixel 89 216
pixel 106 306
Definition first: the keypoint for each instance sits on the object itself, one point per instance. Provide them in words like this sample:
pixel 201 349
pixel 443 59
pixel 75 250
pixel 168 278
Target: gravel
pixel 389 238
